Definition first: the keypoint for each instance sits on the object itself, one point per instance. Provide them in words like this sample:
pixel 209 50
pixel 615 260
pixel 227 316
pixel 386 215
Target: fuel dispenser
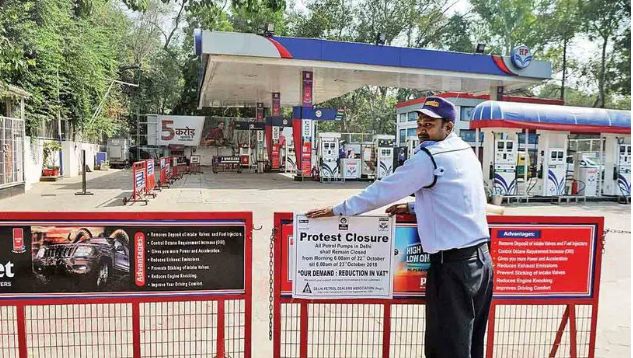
pixel 505 167
pixel 412 144
pixel 328 153
pixel 291 166
pixel 384 155
pixel 586 173
pixel 554 171
pixel 617 168
pixel 623 172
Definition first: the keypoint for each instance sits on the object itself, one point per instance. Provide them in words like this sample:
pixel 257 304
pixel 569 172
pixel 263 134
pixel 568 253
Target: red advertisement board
pixel 306 159
pixel 275 159
pixel 306 89
pixel 543 260
pixel 552 259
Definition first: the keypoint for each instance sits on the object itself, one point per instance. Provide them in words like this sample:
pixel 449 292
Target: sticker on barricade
pixel 546 268
pixel 150 182
pixel 139 177
pixel 161 265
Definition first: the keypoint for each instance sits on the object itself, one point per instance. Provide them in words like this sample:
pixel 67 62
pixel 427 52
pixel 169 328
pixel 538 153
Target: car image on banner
pixel 98 262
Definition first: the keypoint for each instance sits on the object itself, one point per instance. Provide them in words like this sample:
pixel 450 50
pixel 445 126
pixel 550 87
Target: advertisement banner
pixel 543 260
pixel 259 115
pixel 122 257
pixel 554 260
pixel 180 130
pixel 276 133
pixel 306 89
pixel 343 257
pixel 276 159
pixel 276 104
pixel 306 159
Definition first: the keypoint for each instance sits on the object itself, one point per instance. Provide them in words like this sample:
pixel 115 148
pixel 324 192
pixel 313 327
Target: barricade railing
pixel 559 319
pixel 163 178
pixel 153 311
pixel 139 183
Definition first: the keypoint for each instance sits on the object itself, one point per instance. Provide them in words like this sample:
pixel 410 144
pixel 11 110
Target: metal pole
pixel 477 143
pixel 138 120
pixel 525 162
pixel 83 174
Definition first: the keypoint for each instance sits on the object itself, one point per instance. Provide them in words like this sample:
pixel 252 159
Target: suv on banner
pixel 86 260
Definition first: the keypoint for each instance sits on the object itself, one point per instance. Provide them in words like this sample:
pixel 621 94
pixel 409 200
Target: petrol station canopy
pixel 578 120
pixel 241 69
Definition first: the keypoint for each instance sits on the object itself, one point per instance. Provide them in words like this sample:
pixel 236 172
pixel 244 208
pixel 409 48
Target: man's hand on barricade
pixel 320 213
pixel 397 209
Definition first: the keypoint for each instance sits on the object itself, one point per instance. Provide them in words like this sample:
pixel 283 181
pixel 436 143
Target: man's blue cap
pixel 438 107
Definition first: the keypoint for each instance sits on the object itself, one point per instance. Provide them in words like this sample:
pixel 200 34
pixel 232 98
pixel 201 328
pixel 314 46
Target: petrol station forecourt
pixel 269 72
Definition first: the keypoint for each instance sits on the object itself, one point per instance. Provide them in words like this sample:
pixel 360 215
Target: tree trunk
pixel 601 101
pixel 562 87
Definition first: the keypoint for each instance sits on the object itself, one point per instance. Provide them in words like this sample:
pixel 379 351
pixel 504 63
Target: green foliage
pixel 50 148
pixel 67 59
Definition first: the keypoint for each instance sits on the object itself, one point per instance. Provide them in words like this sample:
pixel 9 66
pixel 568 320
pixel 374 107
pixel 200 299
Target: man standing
pixel 450 205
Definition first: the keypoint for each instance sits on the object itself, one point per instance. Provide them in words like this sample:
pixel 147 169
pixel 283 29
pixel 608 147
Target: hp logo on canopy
pixel 521 56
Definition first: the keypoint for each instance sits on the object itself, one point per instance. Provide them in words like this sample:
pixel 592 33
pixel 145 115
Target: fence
pixel 135 317
pixel 557 322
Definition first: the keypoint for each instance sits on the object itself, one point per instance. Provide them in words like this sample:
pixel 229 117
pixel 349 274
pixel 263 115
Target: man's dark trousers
pixel 458 297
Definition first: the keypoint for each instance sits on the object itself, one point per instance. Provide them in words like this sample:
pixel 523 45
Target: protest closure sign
pixel 343 257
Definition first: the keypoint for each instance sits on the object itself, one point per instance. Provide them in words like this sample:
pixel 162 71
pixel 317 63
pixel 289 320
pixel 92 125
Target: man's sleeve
pixel 415 174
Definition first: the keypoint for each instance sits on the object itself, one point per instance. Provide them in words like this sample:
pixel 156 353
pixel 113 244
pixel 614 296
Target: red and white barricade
pixel 163 177
pixel 545 298
pixel 139 180
pixel 150 181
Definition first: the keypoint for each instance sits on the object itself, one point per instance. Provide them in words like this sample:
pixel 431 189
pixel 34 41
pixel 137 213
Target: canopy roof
pixel 495 114
pixel 240 69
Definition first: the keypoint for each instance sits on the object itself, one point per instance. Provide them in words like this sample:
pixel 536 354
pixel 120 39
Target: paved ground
pixel 264 194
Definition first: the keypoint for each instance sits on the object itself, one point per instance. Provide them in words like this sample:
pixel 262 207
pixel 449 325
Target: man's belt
pixel 458 254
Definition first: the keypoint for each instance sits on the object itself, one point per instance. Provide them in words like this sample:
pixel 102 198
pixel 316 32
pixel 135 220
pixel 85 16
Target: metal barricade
pixel 139 183
pixel 519 325
pixel 135 321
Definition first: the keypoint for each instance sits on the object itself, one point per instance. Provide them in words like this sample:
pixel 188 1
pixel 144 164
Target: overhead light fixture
pixel 381 38
pixel 480 48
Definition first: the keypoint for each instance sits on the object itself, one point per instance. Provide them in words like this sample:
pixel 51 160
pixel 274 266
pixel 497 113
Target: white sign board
pixel 182 130
pixel 195 159
pixel 343 257
pixel 276 133
pixel 306 128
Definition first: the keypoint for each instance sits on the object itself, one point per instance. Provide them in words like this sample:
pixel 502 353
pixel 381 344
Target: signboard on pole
pixel 180 130
pixel 343 257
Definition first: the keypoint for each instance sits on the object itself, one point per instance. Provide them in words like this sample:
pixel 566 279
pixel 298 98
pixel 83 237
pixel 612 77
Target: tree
pixel 509 23
pixel 618 75
pixel 605 20
pixel 565 21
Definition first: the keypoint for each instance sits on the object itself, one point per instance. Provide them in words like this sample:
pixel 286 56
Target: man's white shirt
pixel 452 213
